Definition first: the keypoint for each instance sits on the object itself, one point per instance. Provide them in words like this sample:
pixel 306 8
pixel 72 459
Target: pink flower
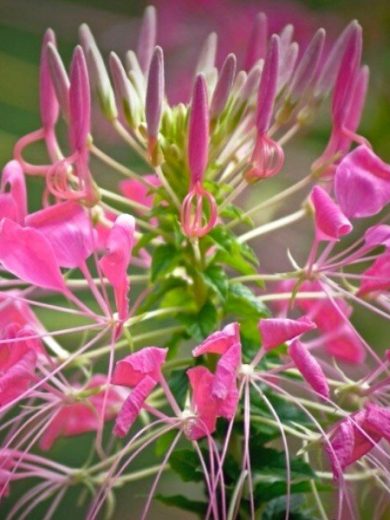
pixel 140 371
pixel 377 277
pixel 219 342
pixel 362 183
pixel 275 331
pixel 203 405
pixel 77 418
pixel 137 191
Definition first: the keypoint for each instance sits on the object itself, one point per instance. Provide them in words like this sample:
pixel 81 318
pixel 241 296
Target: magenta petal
pixel 198 131
pixel 362 183
pixel 309 368
pixel 219 342
pixel 378 235
pixel 133 405
pixel 29 255
pixel 346 346
pixel 226 372
pixel 275 331
pixel 137 191
pixel 17 378
pixel 341 447
pixel 132 369
pixel 68 228
pixel 13 199
pixel 115 262
pixel 331 223
pixel 376 277
pixel 203 404
pixel 378 419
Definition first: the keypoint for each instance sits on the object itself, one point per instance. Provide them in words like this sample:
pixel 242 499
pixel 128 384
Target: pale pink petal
pixel 69 229
pixel 275 331
pixel 309 368
pixel 132 369
pixel 133 405
pixel 378 235
pixel 29 255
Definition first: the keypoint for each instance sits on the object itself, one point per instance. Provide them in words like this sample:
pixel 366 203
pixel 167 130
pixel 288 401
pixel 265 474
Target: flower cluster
pixel 276 357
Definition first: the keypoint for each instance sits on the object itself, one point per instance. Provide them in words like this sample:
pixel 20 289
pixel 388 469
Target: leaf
pixel 244 304
pixel 163 443
pixel 266 491
pixel 182 502
pixel 276 509
pixel 233 212
pixel 186 464
pixel 201 324
pixel 165 258
pixel 217 280
pixel 238 256
pixel 178 297
pixel 178 382
pixel 273 461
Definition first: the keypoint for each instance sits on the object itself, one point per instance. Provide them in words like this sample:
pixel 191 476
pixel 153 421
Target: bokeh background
pixel 183 24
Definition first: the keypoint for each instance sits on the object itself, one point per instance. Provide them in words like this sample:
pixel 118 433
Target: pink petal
pixel 132 369
pixel 226 372
pixel 275 331
pixel 68 227
pixel 378 235
pixel 346 346
pixel 204 406
pixel 198 131
pixel 115 262
pixel 377 277
pixel 13 199
pixel 17 378
pixel 362 183
pixel 29 255
pixel 378 419
pixel 219 342
pixel 135 190
pixel 341 447
pixel 155 93
pixel 309 368
pixel 133 405
pixel 331 223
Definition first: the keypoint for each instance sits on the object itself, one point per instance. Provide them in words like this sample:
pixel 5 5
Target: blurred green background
pixel 184 23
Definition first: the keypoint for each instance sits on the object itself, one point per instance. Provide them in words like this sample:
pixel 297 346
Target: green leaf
pixel 182 502
pixel 266 491
pixel 178 382
pixel 269 460
pixel 201 324
pixel 165 258
pixel 244 304
pixel 217 280
pixel 238 256
pixel 276 509
pixel 178 297
pixel 186 464
pixel 233 212
pixel 163 443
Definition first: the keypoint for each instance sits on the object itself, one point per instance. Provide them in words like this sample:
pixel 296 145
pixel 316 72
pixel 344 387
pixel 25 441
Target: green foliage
pixel 182 502
pixel 186 464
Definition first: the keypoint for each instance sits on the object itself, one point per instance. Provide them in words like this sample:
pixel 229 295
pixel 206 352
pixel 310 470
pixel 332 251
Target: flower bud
pixel 268 86
pixel 155 97
pixel 224 85
pixel 48 99
pixel 147 38
pixel 124 90
pixel 79 101
pixel 99 76
pixel 198 131
pixel 257 44
pixel 206 60
pixel 59 78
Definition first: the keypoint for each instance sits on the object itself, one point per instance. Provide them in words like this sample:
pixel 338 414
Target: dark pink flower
pixel 204 407
pixel 331 223
pixel 309 367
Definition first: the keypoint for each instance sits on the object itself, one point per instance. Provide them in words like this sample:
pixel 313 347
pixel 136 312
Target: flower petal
pixel 132 369
pixel 275 331
pixel 309 368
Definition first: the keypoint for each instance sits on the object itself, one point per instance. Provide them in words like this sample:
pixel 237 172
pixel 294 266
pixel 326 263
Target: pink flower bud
pixel 349 67
pixel 79 101
pixel 198 131
pixel 124 90
pixel 275 331
pixel 224 85
pixel 59 78
pixel 147 38
pixel 307 68
pixel 309 368
pixel 193 220
pixel 268 86
pixel 47 97
pixel 206 60
pixel 155 96
pixel 257 44
pixel 331 223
